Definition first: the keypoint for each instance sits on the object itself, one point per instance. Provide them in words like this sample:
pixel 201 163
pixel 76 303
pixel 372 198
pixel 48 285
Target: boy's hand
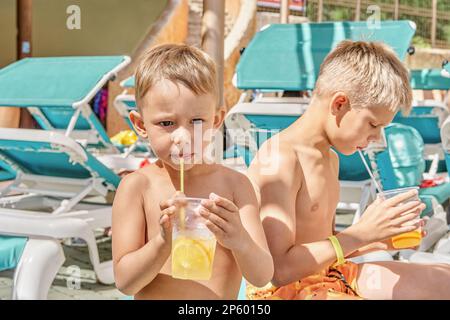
pixel 387 243
pixel 384 219
pixel 224 221
pixel 168 208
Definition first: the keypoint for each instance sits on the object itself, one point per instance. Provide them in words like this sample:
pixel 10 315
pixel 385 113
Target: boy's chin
pixel 189 164
pixel 346 151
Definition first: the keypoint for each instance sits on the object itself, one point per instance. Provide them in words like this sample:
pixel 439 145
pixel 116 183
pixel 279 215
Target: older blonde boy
pixel 360 87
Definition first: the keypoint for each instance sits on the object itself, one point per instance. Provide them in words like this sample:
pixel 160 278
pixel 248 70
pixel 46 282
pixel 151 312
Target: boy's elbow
pixel 279 278
pixel 282 275
pixel 124 287
pixel 124 284
pixel 264 277
pixel 261 281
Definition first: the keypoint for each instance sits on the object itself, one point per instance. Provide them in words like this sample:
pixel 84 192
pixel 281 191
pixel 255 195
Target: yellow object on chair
pixel 125 138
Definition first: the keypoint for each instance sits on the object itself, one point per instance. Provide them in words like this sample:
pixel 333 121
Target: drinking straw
pixel 182 175
pixel 182 213
pixel 380 190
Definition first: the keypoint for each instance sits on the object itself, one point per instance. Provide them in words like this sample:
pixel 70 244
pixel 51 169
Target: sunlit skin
pixel 147 199
pixel 299 200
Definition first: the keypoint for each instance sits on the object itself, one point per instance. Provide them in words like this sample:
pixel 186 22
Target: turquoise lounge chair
pixel 445 136
pixel 128 83
pixel 64 192
pixel 288 56
pixel 399 163
pixel 427 116
pixel 124 104
pixel 445 129
pixel 6 173
pixel 429 79
pixel 57 92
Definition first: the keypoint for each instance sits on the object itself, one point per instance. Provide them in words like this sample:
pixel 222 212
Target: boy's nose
pixel 181 136
pixel 375 138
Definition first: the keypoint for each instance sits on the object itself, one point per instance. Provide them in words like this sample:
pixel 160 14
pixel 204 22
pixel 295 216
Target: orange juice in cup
pixel 407 239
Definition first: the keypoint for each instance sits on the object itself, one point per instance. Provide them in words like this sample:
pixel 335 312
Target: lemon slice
pixel 190 260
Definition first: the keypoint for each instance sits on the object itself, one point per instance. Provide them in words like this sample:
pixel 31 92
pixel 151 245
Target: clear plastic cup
pixel 408 239
pixel 193 244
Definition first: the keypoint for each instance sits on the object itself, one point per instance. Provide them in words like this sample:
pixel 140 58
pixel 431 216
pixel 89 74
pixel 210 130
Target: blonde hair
pixel 370 73
pixel 178 63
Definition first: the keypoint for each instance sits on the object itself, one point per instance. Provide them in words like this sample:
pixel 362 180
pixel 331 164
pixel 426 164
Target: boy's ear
pixel 138 123
pixel 340 105
pixel 219 117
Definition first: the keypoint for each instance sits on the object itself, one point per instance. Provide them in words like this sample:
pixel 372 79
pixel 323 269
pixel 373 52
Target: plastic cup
pixel 407 239
pixel 193 244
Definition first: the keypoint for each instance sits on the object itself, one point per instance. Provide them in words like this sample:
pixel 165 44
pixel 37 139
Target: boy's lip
pixel 184 156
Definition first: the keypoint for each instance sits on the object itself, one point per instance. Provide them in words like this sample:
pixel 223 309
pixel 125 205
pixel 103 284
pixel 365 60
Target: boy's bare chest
pixel 317 198
pixel 163 189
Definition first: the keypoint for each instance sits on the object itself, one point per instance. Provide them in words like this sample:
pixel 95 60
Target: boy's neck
pixel 195 171
pixel 310 128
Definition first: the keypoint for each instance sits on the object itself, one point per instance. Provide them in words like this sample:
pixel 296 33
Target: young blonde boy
pixel 360 87
pixel 176 94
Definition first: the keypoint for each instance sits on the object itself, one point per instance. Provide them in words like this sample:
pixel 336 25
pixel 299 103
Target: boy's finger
pixel 404 229
pixel 219 233
pixel 394 201
pixel 404 219
pixel 406 208
pixel 221 212
pixel 223 202
pixel 165 223
pixel 217 220
pixel 168 211
pixel 414 222
pixel 165 204
pixel 179 194
pixel 180 202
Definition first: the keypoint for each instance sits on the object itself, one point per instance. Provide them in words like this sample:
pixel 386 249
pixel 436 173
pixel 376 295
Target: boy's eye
pixel 165 123
pixel 373 126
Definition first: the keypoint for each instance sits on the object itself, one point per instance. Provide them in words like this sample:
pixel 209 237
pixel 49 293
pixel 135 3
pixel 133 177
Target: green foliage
pixel 333 12
pixel 420 42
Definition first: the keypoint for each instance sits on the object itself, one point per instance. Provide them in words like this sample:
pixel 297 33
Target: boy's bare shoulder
pixel 281 154
pixel 231 175
pixel 240 185
pixel 140 179
pixel 276 162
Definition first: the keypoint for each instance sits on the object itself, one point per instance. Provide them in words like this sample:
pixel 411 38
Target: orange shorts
pixel 334 283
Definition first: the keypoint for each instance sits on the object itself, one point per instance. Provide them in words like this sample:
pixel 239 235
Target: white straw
pixel 380 190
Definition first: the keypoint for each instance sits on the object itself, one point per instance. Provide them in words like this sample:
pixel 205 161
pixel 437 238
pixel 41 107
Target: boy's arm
pixel 254 259
pixel 293 261
pixel 237 227
pixel 136 263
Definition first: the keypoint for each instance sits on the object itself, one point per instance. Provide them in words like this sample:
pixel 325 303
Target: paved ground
pixel 65 288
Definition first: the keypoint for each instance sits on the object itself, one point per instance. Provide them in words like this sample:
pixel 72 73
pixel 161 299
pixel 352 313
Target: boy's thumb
pixel 166 225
